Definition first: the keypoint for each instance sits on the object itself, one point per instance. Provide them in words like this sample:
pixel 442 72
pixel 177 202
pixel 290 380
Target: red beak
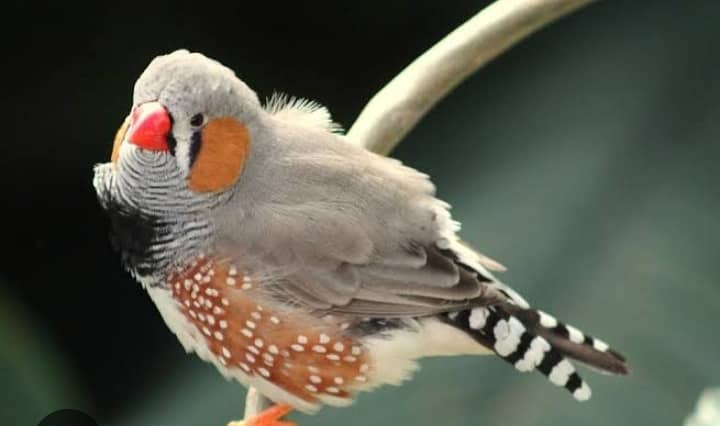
pixel 149 127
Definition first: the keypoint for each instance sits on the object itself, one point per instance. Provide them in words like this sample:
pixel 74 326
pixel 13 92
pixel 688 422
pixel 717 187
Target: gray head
pixel 181 148
pixel 189 127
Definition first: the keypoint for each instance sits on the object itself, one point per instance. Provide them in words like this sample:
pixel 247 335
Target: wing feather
pixel 358 233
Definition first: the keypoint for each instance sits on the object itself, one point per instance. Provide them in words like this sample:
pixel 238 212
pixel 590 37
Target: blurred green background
pixel 585 160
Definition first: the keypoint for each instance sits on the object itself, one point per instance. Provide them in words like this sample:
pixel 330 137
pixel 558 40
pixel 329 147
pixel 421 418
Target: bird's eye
pixel 197 120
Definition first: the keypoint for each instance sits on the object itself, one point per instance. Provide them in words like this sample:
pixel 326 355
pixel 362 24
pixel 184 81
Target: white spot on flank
pixel 246 332
pixel 188 284
pixel 324 338
pixel 339 380
pixel 311 388
pixel 230 281
pixel 319 349
pixel 192 313
pixel 296 347
pixel 546 320
pixel 223 324
pixel 210 319
pixel 313 369
pixel 218 310
pixel 225 302
pixel 361 378
pixel 250 358
pixel 198 277
pixel 232 271
pixel 302 339
pixel 222 361
pixel 250 324
pixel 478 317
pixel 256 315
pixel 332 357
pixel 350 358
pixel 267 357
pixel 273 349
pixel 364 368
pixel 206 331
pixel 244 367
pixel 356 350
pixel 259 343
pixel 218 335
pixel 253 349
pixel 274 320
pixel 315 379
pixel 561 373
pixel 575 335
pixel 332 389
pixel 206 279
pixel 202 317
pixel 187 303
pixel 226 352
pixel 339 347
pixel 246 286
pixel 264 372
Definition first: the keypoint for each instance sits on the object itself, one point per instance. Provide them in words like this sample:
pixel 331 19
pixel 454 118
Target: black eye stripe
pixel 195 146
pixel 171 142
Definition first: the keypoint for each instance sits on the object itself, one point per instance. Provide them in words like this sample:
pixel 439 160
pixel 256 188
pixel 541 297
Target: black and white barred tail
pixel 533 340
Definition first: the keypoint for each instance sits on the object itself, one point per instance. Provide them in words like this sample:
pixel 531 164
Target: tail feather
pixel 533 340
pixel 572 342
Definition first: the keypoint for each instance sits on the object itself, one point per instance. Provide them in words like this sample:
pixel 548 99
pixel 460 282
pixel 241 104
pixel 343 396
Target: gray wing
pixel 354 232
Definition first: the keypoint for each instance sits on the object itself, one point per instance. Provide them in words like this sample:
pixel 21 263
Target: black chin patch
pixel 132 234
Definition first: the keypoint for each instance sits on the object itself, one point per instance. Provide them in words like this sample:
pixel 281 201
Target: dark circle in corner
pixel 68 417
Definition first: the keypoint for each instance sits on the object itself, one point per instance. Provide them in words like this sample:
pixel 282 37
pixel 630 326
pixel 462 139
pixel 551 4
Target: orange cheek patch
pixel 119 136
pixel 224 147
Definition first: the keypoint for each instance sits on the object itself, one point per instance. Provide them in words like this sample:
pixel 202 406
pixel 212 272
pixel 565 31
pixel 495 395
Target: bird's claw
pixel 270 417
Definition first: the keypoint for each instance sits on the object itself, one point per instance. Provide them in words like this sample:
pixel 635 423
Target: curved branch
pixel 397 108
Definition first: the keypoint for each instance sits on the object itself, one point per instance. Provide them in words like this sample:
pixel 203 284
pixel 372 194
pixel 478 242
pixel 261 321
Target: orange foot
pixel 270 417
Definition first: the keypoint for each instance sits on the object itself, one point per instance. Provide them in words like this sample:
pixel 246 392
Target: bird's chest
pixel 221 311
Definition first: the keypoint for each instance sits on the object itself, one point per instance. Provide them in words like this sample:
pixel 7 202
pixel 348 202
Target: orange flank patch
pixel 224 146
pixel 119 136
pixel 304 355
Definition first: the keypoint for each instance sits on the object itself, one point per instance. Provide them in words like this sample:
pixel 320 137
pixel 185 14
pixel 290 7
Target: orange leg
pixel 270 417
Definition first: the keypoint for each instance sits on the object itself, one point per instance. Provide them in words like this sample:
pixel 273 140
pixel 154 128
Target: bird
pixel 299 263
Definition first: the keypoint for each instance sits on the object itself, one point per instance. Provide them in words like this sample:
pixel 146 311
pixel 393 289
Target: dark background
pixel 584 159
